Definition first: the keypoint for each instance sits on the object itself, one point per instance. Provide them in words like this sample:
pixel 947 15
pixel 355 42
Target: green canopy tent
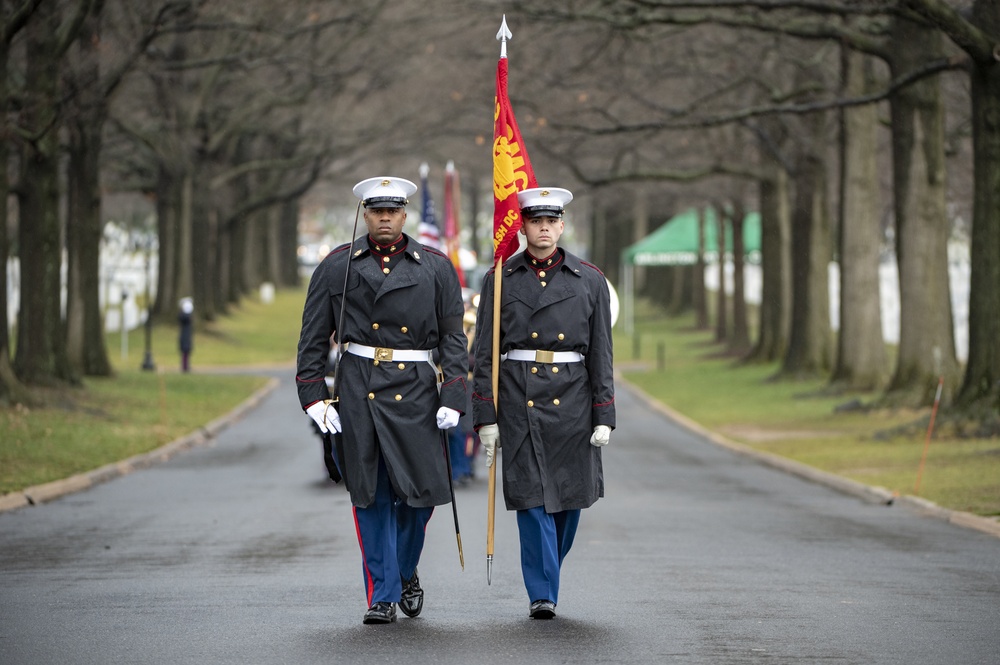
pixel 676 244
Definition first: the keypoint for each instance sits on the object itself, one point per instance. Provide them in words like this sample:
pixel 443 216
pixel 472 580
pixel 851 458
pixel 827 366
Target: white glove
pixel 447 418
pixel 490 436
pixel 325 415
pixel 601 436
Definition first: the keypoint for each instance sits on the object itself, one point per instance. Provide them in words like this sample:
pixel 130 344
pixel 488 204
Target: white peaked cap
pixel 544 201
pixel 384 190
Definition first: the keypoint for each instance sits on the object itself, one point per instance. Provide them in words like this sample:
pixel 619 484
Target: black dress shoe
pixel 380 613
pixel 411 601
pixel 542 609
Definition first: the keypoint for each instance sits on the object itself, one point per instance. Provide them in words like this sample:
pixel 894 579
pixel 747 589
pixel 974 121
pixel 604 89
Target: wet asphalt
pixel 239 551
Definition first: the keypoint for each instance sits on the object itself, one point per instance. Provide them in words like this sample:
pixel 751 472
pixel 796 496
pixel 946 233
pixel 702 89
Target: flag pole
pixel 491 501
pixel 491 496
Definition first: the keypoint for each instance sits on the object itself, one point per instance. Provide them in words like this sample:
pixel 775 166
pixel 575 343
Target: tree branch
pixel 967 36
pixel 931 68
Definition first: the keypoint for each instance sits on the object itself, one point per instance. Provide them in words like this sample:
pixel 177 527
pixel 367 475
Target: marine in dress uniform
pixel 404 307
pixel 556 403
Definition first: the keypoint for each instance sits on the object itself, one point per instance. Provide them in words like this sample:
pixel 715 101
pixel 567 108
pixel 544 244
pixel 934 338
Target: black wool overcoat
pixel 546 412
pixel 388 407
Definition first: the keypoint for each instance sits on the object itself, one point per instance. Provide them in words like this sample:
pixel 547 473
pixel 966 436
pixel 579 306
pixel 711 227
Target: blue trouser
pixel 545 541
pixel 460 463
pixel 391 535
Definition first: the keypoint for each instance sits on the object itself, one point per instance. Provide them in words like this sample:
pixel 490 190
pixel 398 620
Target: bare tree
pixel 978 35
pixel 13 17
pixel 41 349
pixel 862 363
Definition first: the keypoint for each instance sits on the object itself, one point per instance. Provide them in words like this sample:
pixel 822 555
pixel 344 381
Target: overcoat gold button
pixel 543 283
pixel 534 370
pixel 375 362
pixel 534 335
pixel 556 401
pixel 562 336
pixel 404 329
pixel 385 270
pixel 401 366
pixel 371 395
pixel 531 403
pixel 399 397
pixel 374 326
pixel 555 370
pixel 541 273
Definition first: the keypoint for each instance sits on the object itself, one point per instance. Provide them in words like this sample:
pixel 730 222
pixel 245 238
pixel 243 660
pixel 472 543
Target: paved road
pixel 238 552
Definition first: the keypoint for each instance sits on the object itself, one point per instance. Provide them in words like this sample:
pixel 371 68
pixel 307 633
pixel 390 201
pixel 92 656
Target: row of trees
pixel 782 106
pixel 220 114
pixel 229 116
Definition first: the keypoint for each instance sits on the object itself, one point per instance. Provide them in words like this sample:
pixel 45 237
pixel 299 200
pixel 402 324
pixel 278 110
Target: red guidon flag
pixel 511 171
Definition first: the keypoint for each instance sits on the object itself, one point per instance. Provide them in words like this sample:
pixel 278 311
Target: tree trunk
pixel 641 229
pixel 739 341
pixel 982 375
pixel 288 275
pixel 680 296
pixel 699 296
pixel 203 246
pixel 185 241
pixel 272 256
pixel 721 302
pixel 167 228
pixel 85 342
pixel 85 326
pixel 253 252
pixel 238 257
pixel 809 339
pixel 861 357
pixel 775 260
pixel 926 339
pixel 41 349
pixel 11 389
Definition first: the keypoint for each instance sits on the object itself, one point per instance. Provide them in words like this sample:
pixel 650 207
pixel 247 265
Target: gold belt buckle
pixel 382 354
pixel 544 356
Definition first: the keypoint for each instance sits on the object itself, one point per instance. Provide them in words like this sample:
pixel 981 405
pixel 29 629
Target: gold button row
pixel 531 402
pixel 403 330
pixel 534 335
pixel 534 370
pixel 372 396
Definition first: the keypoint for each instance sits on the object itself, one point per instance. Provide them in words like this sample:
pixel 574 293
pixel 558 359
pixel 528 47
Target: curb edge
pixel 871 494
pixel 55 489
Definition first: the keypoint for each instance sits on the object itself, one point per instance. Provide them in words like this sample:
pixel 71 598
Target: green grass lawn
pixel 136 411
pixel 254 333
pixel 684 369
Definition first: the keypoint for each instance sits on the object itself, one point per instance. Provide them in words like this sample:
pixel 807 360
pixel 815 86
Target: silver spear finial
pixel 502 36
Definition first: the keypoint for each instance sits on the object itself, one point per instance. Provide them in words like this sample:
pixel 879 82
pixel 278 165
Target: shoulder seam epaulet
pixel 591 265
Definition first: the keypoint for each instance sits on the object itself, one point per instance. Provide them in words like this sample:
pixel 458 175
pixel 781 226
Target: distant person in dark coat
pixel 556 396
pixel 404 302
pixel 186 340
